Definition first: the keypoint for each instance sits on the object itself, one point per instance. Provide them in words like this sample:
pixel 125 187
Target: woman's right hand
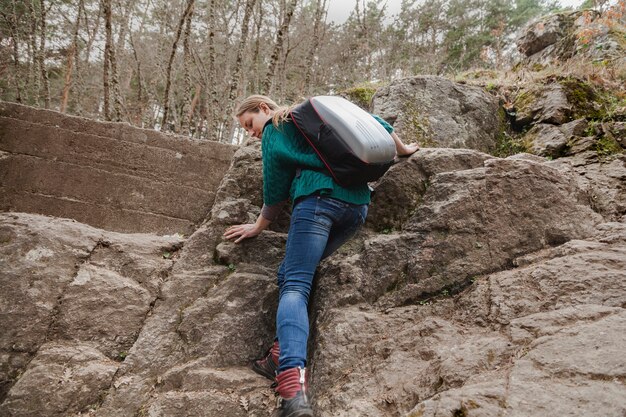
pixel 240 232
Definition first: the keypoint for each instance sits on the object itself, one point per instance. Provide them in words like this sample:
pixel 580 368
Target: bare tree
pixel 187 108
pixel 257 48
pixel 33 74
pixel 278 46
pixel 106 5
pixel 138 114
pixel 72 59
pixel 212 105
pixel 168 75
pixel 42 54
pixel 12 20
pixel 234 84
pixel 320 12
pixel 236 78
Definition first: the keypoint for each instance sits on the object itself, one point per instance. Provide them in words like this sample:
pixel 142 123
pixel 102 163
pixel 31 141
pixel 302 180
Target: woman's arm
pixel 401 148
pixel 245 231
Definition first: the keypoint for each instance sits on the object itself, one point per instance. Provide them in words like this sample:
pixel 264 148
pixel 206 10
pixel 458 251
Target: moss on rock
pixel 523 105
pixel 506 143
pixel 607 146
pixel 585 99
pixel 361 95
pixel 416 126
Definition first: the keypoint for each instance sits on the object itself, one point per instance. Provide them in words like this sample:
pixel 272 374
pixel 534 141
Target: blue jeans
pixel 319 226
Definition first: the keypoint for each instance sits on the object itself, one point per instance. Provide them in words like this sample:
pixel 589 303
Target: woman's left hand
pixel 240 232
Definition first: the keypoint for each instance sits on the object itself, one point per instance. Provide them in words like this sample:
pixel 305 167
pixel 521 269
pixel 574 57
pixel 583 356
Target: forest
pixel 180 66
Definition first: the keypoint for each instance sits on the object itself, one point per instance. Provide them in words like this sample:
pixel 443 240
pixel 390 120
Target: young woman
pixel 324 216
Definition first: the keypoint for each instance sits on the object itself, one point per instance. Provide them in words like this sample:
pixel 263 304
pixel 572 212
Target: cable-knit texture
pixel 286 157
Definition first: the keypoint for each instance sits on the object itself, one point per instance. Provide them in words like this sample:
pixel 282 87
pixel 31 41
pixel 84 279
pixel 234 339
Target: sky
pixel 339 10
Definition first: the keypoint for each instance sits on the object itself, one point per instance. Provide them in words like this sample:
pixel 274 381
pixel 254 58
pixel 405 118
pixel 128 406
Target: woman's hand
pixel 240 232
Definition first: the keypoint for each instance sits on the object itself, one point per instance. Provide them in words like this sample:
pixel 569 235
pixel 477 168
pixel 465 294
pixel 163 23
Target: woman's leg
pixel 306 241
pixel 341 232
pixel 318 227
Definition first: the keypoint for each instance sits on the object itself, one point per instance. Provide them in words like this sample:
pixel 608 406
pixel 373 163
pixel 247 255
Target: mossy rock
pixel 416 126
pixel 360 95
pixel 507 143
pixel 523 105
pixel 587 100
pixel 607 146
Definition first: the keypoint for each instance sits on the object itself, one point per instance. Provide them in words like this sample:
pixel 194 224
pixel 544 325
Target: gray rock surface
pixel 543 104
pixel 435 111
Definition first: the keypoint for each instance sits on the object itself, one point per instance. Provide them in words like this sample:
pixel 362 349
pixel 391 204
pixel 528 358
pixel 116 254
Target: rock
pixel 228 325
pixel 546 140
pixel 540 35
pixel 574 128
pixel 212 287
pixel 437 112
pixel 558 101
pixel 557 325
pixel 560 36
pixel 557 141
pixel 461 229
pixel 602 180
pixel 64 378
pixel 404 185
pixel 619 131
pixel 66 281
pixel 582 145
pixel 548 38
pixel 542 105
pixel 535 379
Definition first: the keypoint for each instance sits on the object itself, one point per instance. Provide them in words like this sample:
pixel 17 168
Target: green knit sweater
pixel 286 157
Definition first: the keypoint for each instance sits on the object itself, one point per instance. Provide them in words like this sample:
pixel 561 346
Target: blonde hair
pixel 252 104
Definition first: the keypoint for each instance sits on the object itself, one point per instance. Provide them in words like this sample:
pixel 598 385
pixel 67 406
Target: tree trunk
pixel 94 32
pixel 320 10
pixel 33 72
pixel 68 78
pixel 72 54
pixel 212 105
pixel 115 84
pixel 106 5
pixel 193 105
pixel 121 39
pixel 42 56
pixel 168 75
pixel 278 46
pixel 14 31
pixel 186 114
pixel 138 114
pixel 257 47
pixel 234 83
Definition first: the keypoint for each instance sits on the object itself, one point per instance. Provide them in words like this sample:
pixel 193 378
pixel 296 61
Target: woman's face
pixel 253 122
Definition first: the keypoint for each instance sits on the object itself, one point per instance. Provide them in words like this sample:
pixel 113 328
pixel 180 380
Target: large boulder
pixel 461 227
pixel 63 379
pixel 70 283
pixel 435 111
pixel 513 343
